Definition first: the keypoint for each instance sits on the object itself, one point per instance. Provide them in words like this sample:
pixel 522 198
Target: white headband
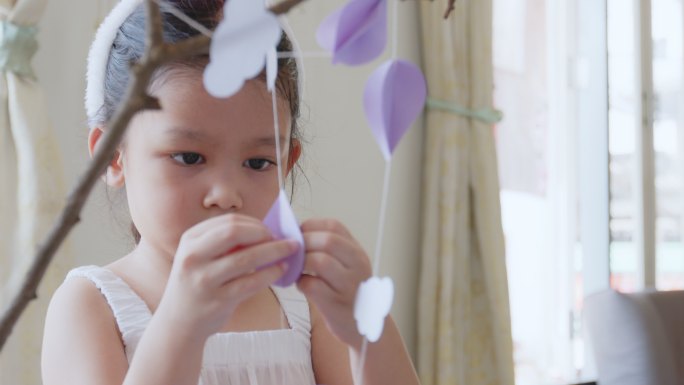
pixel 102 45
pixel 99 54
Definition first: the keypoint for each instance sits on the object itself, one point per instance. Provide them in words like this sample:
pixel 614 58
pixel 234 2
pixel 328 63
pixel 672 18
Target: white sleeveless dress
pixel 276 357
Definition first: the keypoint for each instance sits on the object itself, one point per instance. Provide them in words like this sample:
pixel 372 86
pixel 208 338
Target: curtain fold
pixel 32 188
pixel 464 335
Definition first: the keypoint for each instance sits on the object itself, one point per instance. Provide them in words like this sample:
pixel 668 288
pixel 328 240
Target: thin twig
pixel 157 53
pixel 200 44
pixel 450 8
pixel 285 6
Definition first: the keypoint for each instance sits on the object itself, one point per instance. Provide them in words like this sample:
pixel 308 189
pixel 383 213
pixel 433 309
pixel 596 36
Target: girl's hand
pixel 335 267
pixel 215 269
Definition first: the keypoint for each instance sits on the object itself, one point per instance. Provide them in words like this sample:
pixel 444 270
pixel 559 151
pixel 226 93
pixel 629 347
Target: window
pixel 537 194
pixel 668 135
pixel 646 146
pixel 591 162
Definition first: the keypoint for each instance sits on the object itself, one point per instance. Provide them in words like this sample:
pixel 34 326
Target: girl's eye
pixel 188 158
pixel 258 164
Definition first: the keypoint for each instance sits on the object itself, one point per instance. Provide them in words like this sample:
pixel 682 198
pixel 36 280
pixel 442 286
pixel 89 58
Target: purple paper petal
pixel 356 33
pixel 283 225
pixel 394 97
pixel 327 31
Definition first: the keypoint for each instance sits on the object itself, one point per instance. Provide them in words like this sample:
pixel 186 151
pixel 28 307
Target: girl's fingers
pixel 247 285
pixel 322 224
pixel 317 290
pixel 337 311
pixel 329 269
pixel 344 249
pixel 223 238
pixel 202 227
pixel 247 260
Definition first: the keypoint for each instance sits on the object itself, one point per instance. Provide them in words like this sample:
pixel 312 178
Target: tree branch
pixel 157 53
pixel 285 6
pixel 450 8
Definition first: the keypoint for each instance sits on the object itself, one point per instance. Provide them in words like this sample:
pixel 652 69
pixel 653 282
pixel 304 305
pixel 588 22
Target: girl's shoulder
pixel 80 329
pixel 78 301
pixel 78 295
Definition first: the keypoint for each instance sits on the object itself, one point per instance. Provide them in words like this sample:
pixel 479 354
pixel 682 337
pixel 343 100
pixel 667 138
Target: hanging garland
pixel 388 113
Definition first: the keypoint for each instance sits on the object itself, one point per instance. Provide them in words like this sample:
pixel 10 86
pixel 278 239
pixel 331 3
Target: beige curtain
pixel 31 185
pixel 464 317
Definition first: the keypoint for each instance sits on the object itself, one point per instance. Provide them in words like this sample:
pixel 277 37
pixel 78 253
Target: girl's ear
pixel 114 176
pixel 295 153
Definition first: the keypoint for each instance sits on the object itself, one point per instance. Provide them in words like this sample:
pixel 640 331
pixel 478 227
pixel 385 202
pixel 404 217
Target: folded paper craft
pixel 356 33
pixel 394 97
pixel 283 225
pixel 240 46
pixel 373 303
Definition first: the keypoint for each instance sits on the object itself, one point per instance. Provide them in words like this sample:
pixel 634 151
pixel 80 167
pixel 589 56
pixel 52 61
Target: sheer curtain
pixel 31 184
pixel 464 317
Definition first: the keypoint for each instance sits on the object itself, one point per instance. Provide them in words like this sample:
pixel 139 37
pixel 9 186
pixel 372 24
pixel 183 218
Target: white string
pixel 395 29
pixel 385 197
pixel 388 164
pixel 376 258
pixel 383 214
pixel 362 362
pixel 276 124
pixel 185 18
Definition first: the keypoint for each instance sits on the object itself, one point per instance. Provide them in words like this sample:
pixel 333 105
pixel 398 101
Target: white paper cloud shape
pixel 247 33
pixel 373 303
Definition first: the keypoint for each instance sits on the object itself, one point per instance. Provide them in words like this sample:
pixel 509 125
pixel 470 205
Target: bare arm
pixel 387 361
pixel 174 355
pixel 81 344
pixel 336 265
pixel 329 355
pixel 335 363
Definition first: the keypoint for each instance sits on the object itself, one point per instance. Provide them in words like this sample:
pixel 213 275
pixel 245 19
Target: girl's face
pixel 200 157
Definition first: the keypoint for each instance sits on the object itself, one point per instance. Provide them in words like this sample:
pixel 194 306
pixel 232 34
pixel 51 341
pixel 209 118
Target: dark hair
pixel 129 46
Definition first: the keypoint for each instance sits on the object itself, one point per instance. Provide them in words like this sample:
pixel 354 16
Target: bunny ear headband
pixel 101 46
pixel 99 55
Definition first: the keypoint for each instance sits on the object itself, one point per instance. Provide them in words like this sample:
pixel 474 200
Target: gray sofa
pixel 638 338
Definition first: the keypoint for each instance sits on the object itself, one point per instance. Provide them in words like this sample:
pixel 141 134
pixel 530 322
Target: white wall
pixel 343 164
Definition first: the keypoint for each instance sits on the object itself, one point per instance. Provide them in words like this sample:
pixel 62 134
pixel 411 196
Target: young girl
pixel 191 303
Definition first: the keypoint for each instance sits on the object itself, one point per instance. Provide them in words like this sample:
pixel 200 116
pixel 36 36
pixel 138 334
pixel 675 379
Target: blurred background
pixel 591 165
pixel 590 160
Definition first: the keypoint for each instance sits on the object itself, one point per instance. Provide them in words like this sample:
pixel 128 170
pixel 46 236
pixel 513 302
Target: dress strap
pixel 130 311
pixel 296 309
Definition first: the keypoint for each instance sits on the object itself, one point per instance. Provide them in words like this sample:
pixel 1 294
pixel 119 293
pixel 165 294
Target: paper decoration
pixel 373 303
pixel 394 97
pixel 355 34
pixel 283 225
pixel 240 46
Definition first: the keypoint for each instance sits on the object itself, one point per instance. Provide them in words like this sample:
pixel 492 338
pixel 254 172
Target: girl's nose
pixel 225 196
